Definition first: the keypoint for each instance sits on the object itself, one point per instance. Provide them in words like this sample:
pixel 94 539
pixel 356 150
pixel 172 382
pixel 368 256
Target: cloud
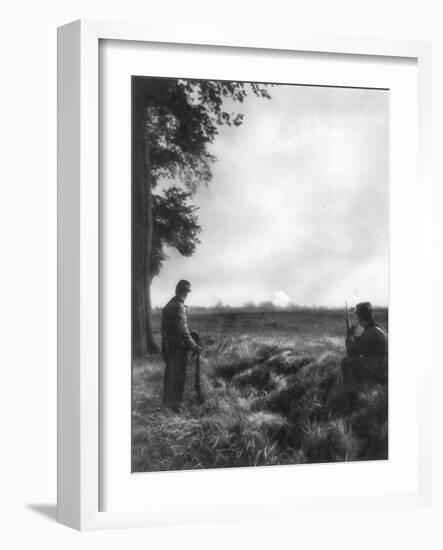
pixel 281 299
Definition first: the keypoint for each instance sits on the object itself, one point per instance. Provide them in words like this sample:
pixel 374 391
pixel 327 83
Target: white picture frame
pixel 79 367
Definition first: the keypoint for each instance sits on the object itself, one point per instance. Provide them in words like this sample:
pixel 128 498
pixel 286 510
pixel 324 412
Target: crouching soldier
pixel 176 342
pixel 367 359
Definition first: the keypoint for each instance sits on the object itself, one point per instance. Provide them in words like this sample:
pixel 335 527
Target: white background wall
pixel 28 269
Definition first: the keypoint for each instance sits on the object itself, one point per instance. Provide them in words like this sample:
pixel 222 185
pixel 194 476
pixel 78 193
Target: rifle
pixel 348 322
pixel 197 385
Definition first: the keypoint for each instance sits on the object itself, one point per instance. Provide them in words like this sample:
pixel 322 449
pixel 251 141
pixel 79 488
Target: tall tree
pixel 173 123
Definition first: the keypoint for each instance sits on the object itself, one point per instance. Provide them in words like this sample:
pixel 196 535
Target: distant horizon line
pixel 271 306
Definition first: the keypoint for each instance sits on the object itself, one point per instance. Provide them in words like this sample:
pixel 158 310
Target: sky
pixel 298 208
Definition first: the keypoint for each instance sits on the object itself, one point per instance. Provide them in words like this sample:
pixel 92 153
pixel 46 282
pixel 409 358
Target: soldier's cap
pixel 183 285
pixel 364 309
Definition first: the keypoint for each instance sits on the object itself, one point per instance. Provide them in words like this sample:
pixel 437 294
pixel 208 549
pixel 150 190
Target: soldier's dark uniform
pixel 367 359
pixel 176 342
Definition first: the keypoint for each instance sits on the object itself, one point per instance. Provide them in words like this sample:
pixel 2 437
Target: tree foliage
pixel 175 225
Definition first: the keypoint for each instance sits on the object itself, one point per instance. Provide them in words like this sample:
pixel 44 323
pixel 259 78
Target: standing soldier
pixel 367 359
pixel 176 342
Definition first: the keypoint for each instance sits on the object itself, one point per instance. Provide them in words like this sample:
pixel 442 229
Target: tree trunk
pixel 142 334
pixel 151 344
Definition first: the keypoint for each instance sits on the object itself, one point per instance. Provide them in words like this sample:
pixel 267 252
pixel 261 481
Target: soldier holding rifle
pixel 367 359
pixel 177 341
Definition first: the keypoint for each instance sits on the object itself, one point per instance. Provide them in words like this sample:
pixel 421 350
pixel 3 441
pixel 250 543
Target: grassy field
pixel 273 395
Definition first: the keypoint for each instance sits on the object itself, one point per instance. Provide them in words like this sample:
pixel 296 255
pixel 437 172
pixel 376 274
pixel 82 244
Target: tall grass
pixel 269 399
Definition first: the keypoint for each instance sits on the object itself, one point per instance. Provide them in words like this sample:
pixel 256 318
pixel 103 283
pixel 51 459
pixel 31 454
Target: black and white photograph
pixel 260 274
